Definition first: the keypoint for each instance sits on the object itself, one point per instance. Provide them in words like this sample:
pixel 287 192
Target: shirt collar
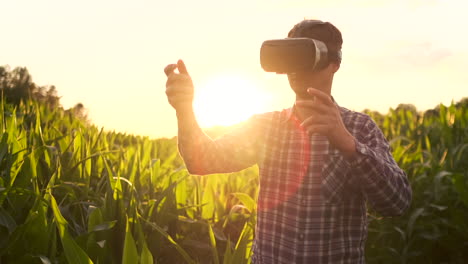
pixel 287 114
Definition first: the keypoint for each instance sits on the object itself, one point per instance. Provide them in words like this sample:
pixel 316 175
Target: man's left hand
pixel 325 119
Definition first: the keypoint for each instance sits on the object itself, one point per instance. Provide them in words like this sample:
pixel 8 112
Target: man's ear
pixel 334 67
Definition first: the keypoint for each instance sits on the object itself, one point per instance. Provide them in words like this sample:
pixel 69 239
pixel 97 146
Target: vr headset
pixel 292 55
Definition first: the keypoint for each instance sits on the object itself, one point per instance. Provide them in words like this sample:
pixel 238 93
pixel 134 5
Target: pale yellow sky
pixel 110 55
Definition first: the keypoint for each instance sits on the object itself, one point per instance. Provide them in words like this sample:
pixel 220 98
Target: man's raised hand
pixel 325 119
pixel 179 87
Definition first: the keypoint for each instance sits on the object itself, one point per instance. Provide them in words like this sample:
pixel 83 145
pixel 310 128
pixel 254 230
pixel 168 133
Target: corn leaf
pixel 73 252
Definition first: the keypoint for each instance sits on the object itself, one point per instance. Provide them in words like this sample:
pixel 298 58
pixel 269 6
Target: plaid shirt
pixel 312 201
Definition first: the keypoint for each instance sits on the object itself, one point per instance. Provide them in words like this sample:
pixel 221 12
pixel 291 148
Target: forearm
pixel 191 140
pixel 187 124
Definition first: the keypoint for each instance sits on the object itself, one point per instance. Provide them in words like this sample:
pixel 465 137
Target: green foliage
pixel 432 148
pixel 71 193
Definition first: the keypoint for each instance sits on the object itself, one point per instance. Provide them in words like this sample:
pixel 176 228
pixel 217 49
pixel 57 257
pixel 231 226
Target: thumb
pixel 181 67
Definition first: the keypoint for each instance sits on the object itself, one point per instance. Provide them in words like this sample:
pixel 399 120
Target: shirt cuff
pixel 360 157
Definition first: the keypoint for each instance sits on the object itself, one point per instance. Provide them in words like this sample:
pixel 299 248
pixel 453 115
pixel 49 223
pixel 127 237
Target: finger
pixel 180 82
pixel 316 106
pixel 181 67
pixel 173 92
pixel 177 78
pixel 314 120
pixel 304 103
pixel 308 104
pixel 169 69
pixel 318 129
pixel 326 98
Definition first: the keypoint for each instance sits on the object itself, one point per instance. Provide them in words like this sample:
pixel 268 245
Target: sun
pixel 228 99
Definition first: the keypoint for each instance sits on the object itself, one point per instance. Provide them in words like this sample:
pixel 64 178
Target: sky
pixel 110 55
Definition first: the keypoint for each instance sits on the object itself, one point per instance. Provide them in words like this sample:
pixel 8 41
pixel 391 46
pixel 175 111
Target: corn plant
pixel 72 193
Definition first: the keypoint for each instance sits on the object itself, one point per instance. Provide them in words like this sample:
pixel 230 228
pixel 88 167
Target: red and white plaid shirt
pixel 312 201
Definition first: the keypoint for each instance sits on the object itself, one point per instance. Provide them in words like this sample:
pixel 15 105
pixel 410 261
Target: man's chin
pixel 302 94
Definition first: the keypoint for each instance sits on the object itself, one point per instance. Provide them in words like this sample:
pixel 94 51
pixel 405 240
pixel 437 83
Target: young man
pixel 319 164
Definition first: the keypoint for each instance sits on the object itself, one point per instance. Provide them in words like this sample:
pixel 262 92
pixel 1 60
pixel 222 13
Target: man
pixel 319 164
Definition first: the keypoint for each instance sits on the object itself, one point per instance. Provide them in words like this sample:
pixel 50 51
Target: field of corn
pixel 73 193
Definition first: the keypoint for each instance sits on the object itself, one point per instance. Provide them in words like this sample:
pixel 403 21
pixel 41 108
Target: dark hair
pixel 323 31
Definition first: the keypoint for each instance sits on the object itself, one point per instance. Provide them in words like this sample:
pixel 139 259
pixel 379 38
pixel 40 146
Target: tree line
pixel 17 87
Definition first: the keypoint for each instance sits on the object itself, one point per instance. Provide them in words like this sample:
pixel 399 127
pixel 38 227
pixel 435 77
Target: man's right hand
pixel 179 87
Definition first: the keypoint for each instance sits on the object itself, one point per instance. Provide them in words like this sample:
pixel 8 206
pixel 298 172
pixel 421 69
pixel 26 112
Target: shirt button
pixel 363 150
pixel 301 236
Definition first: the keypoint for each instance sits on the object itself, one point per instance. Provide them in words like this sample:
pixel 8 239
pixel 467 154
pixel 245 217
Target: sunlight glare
pixel 228 99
